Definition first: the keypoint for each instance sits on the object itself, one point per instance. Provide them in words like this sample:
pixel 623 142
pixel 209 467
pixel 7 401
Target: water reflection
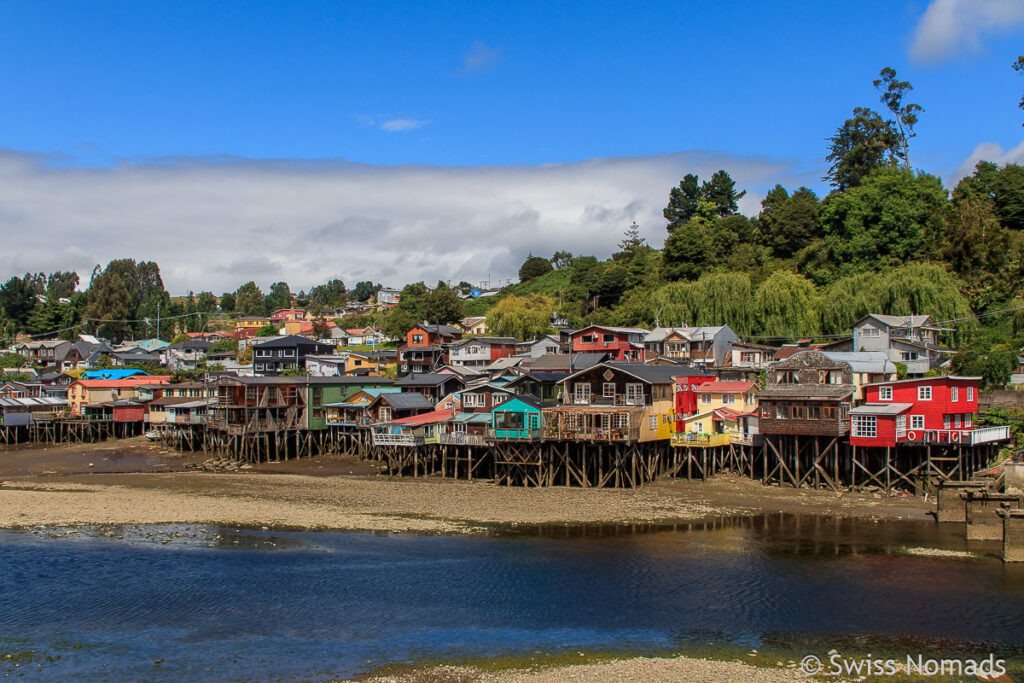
pixel 263 604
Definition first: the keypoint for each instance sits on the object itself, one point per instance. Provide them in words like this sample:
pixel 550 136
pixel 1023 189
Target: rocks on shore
pixel 219 465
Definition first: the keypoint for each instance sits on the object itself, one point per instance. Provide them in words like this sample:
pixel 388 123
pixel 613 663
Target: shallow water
pixel 167 603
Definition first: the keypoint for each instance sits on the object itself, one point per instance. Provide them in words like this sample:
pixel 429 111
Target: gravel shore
pixel 665 670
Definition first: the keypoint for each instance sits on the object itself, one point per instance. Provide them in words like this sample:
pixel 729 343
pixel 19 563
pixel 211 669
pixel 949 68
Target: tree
pixel 329 295
pixel 895 215
pixel 721 191
pixel 206 302
pixel 249 299
pixel 533 267
pixel 786 306
pixel 790 223
pixel 862 144
pixel 682 202
pixel 893 92
pixel 396 323
pixel 180 338
pixel 364 290
pixel 227 302
pixel 109 303
pixel 17 301
pixel 561 260
pixel 61 284
pixel 1008 195
pixel 522 317
pixel 1018 66
pixel 688 250
pixel 442 306
pixel 279 297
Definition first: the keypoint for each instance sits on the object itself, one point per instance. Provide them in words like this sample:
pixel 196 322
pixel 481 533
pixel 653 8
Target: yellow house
pixel 250 325
pixel 372 363
pixel 738 396
pixel 474 326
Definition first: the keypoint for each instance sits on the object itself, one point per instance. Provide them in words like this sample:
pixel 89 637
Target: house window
pixel 497 399
pixel 786 377
pixel 967 420
pixel 901 425
pixel 417 339
pixel 705 399
pixel 259 367
pixel 620 420
pixel 908 355
pixel 924 393
pixel 473 400
pixel 945 421
pixel 865 426
pixel 588 338
pixel 581 392
pixel 884 393
pixel 870 332
pixel 917 421
pixel 635 394
pixel 954 394
pixel 654 423
pixel 970 394
pixel 385 414
pixel 250 393
pixel 608 390
pixel 956 421
pixel 728 399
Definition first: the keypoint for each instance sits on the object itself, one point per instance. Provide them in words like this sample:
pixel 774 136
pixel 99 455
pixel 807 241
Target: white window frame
pixel 581 393
pixel 885 393
pixel 954 394
pixel 967 421
pixel 865 426
pixel 946 422
pixel 916 422
pixel 634 393
pixel 970 394
pixel 608 390
pixel 924 393
pixel 654 423
pixel 728 399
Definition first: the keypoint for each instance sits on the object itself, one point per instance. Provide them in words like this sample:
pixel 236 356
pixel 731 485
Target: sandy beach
pixel 133 482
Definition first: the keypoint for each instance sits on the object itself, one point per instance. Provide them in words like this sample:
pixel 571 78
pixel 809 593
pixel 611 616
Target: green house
pixel 323 391
pixel 516 418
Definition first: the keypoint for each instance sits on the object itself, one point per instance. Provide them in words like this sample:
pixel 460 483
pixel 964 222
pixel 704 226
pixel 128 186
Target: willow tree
pixel 925 288
pixel 673 304
pixel 721 298
pixel 523 317
pixel 786 306
pixel 846 301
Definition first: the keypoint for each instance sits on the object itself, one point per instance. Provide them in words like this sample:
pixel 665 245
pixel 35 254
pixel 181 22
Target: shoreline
pixel 132 482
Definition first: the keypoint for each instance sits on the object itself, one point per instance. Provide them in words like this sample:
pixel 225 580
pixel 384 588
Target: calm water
pixel 269 605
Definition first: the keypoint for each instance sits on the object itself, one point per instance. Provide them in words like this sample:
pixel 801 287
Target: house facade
pixel 908 339
pixel 424 348
pixel 806 394
pixel 477 352
pixel 273 357
pixel 620 343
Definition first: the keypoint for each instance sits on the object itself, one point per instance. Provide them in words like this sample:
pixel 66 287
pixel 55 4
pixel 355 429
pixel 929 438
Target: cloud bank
pixel 949 27
pixel 987 151
pixel 480 58
pixel 213 224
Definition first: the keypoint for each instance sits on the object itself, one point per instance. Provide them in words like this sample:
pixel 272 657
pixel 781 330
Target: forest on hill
pixel 886 238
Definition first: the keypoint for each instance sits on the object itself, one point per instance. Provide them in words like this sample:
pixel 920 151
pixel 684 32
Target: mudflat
pixel 136 482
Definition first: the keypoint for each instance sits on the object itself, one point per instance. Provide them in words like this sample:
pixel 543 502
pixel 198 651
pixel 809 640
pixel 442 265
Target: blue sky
pixel 183 115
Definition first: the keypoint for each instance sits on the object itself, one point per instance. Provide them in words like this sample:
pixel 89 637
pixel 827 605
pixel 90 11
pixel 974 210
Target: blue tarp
pixel 111 374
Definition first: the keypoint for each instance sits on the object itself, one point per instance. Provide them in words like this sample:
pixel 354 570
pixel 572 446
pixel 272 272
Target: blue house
pixel 517 418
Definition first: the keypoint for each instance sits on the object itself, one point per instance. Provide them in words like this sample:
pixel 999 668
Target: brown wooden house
pixel 807 394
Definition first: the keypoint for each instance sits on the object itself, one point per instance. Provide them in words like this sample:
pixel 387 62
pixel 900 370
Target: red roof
pixel 126 382
pixel 424 418
pixel 724 387
pixel 731 414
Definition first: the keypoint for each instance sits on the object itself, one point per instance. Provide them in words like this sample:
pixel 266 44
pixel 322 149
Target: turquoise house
pixel 517 418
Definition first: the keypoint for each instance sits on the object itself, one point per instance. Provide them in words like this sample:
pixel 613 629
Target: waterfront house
pixel 353 410
pixel 433 386
pixel 424 348
pixel 867 367
pixel 187 355
pixel 47 354
pixel 517 418
pixel 752 356
pixel 93 393
pixel 620 343
pixel 912 340
pixel 548 343
pixel 478 352
pixel 616 401
pixel 544 387
pixel 273 357
pixel 707 346
pixel 375 363
pixel 927 410
pixel 284 315
pixel 331 365
pixel 806 394
pixel 390 406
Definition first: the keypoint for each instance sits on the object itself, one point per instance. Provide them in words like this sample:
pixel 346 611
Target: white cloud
pixel 949 27
pixel 986 151
pixel 389 125
pixel 214 224
pixel 480 58
pixel 399 125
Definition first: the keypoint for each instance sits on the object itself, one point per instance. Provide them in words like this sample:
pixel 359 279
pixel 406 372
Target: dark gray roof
pixel 288 341
pixel 426 380
pixel 810 392
pixel 406 400
pixel 551 361
pixel 303 381
pixel 656 374
pixel 584 360
pixel 542 377
pixel 443 330
pixel 486 340
pixel 385 354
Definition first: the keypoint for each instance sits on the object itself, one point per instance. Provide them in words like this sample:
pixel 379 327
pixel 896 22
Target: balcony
pixel 962 437
pixel 513 434
pixel 385 439
pixel 456 438
pixel 701 440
